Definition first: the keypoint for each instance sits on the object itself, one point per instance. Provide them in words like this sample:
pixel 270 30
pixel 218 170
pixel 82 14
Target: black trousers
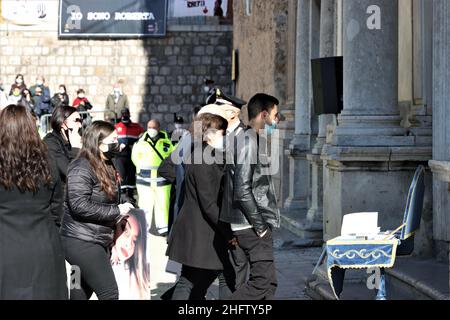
pixel 240 263
pixel 194 283
pixel 127 170
pixel 227 284
pixel 97 274
pixel 262 282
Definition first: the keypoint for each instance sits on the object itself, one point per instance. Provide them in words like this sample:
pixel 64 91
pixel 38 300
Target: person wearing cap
pixel 128 134
pixel 153 190
pixel 208 88
pixel 231 107
pixel 179 131
pixel 173 169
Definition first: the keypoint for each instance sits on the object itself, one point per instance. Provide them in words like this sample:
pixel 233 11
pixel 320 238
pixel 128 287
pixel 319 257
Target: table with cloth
pixel 352 253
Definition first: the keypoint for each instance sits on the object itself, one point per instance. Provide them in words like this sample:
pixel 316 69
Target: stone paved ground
pixel 293 263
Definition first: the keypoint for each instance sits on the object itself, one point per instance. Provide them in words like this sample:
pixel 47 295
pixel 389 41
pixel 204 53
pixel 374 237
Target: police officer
pixel 209 89
pixel 153 190
pixel 179 131
pixel 129 133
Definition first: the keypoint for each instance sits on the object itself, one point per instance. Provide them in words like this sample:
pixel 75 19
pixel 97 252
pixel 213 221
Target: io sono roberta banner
pixel 112 18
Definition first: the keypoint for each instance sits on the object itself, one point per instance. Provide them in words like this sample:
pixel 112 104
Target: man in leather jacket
pixel 254 203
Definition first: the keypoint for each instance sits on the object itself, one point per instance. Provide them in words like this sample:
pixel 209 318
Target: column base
pixel 374 186
pixel 294 205
pixel 310 233
pixel 298 174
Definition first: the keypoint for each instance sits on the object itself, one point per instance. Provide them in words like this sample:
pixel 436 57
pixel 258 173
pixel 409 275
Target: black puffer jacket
pixel 89 214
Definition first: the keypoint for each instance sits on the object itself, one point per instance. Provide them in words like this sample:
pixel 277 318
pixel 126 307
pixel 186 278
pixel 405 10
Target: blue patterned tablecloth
pixel 357 254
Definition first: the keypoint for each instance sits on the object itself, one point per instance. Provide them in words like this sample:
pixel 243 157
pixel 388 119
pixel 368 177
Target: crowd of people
pixel 40 102
pixel 71 196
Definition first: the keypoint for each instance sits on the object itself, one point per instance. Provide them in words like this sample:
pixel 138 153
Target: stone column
pixel 371 159
pixel 441 126
pixel 287 126
pixel 371 112
pixel 301 143
pixel 327 45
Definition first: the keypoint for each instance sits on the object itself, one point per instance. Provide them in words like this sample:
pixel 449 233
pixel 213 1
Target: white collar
pixel 234 127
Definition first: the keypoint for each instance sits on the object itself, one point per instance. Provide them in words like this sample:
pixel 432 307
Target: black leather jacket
pixel 249 195
pixel 89 214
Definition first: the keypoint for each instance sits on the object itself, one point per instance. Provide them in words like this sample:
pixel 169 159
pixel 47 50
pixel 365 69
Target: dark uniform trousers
pixel 262 282
pixel 234 274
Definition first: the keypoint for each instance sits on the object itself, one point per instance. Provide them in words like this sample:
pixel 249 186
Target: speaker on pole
pixel 327 80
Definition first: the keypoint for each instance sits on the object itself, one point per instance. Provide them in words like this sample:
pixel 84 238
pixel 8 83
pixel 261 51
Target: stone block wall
pixel 161 76
pixel 261 41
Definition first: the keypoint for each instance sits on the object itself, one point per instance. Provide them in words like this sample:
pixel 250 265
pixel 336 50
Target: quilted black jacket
pixel 89 214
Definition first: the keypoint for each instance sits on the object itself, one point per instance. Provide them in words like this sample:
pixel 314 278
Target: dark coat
pixel 198 239
pixel 89 214
pixel 32 262
pixel 174 172
pixel 61 151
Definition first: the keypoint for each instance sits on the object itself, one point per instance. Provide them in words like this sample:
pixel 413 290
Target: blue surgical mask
pixel 270 128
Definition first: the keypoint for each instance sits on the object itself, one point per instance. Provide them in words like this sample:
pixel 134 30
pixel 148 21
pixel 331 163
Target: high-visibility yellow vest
pixel 147 160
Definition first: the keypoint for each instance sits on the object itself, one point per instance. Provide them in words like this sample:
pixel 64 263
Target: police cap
pixel 220 98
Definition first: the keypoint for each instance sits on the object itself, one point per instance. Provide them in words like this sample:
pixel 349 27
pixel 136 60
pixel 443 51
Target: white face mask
pixel 152 133
pixel 39 82
pixel 62 91
pixel 81 96
pixel 19 81
pixel 218 143
pixel 206 89
pixel 117 90
pixel 178 126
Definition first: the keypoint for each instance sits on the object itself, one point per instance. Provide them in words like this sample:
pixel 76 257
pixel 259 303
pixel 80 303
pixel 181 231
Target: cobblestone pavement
pixel 293 263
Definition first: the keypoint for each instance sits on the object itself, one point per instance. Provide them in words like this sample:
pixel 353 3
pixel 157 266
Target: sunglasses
pixel 78 120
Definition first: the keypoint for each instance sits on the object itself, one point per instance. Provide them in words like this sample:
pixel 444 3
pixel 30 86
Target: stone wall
pixel 265 42
pixel 161 76
pixel 261 41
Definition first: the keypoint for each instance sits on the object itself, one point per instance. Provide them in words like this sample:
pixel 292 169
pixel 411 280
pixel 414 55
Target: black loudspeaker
pixel 327 79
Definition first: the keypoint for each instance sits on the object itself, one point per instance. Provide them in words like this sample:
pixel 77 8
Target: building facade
pixel 395 88
pixel 161 76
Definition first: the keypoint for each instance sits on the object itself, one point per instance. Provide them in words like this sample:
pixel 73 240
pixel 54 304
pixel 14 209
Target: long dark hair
pixel 23 155
pixel 92 139
pixel 138 265
pixel 59 115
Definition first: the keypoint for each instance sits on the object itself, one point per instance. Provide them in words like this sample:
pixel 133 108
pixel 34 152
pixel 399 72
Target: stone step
pixel 308 237
pixel 418 279
pixel 410 279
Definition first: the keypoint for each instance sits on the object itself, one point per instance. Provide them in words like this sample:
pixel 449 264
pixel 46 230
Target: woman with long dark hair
pixel 61 98
pixel 129 259
pixel 198 239
pixel 92 213
pixel 19 82
pixel 31 256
